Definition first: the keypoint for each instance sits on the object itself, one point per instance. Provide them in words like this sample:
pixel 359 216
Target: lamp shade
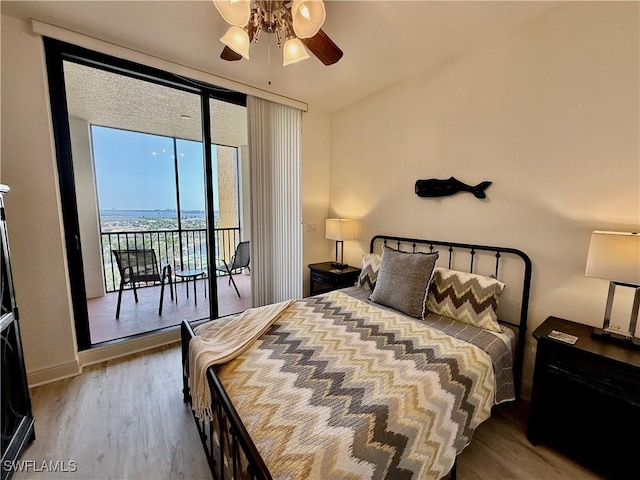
pixel 614 256
pixel 293 51
pixel 234 12
pixel 237 39
pixel 340 229
pixel 308 16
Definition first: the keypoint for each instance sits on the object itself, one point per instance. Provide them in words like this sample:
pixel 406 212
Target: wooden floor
pixel 125 419
pixel 142 317
pixel 500 450
pixel 121 419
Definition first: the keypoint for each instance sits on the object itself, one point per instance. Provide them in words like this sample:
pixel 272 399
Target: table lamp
pixel 615 256
pixel 340 229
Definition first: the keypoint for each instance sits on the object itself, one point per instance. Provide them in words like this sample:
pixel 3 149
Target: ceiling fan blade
pixel 230 55
pixel 323 48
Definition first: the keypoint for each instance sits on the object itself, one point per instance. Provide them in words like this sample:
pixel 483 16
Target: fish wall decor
pixel 434 187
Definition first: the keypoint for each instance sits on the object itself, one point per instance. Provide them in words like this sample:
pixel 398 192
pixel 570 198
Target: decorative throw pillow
pixel 403 280
pixel 465 297
pixel 370 265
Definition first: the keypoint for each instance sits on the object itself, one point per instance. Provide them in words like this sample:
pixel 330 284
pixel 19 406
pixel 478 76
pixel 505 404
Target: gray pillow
pixel 403 280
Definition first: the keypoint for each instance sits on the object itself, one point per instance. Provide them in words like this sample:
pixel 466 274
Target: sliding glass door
pixel 229 167
pixel 151 206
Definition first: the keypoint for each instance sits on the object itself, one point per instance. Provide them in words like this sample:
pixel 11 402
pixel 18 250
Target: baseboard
pixel 100 354
pixel 128 347
pixel 54 373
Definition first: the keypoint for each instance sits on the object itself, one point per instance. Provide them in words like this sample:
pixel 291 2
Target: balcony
pixel 143 317
pixel 144 177
pixel 183 249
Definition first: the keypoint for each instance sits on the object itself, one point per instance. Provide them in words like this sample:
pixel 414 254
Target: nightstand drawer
pixel 606 376
pixel 317 277
pixel 325 278
pixel 585 398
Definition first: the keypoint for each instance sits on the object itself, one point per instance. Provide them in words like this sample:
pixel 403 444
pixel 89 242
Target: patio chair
pixel 240 259
pixel 137 266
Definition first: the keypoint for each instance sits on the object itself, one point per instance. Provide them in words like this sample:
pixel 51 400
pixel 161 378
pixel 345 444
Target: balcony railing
pixel 182 249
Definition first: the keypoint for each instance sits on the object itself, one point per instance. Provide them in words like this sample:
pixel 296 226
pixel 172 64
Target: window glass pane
pixel 191 181
pixel 126 140
pixel 231 205
pixel 135 180
pixel 193 219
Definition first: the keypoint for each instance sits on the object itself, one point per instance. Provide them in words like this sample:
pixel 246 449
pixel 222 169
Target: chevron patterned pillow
pixel 466 297
pixel 370 265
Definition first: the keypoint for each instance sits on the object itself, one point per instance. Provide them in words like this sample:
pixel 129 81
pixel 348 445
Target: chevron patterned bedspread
pixel 340 388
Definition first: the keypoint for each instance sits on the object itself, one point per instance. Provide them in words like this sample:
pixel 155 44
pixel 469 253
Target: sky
pixel 135 171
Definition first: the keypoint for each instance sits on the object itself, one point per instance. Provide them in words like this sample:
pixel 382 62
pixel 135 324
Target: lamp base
pixel 339 266
pixel 620 338
pixel 615 333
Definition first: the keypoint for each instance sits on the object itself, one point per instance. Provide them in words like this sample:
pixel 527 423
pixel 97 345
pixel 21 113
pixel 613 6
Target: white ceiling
pixel 383 41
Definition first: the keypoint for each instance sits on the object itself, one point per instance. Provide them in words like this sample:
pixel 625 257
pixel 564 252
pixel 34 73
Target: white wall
pixel 33 208
pixel 549 113
pixel 315 187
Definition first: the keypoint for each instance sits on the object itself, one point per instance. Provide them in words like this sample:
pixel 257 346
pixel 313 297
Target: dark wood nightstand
pixel 324 278
pixel 585 399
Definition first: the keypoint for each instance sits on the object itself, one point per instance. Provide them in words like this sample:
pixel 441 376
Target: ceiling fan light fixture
pixel 293 51
pixel 308 17
pixel 237 39
pixel 234 12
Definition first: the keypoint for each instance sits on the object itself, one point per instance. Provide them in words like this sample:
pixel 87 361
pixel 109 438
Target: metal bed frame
pixel 230 450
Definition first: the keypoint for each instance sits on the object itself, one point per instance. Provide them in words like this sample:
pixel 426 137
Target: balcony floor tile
pixel 143 317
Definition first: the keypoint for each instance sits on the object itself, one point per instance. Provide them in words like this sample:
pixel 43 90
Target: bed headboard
pixel 509 265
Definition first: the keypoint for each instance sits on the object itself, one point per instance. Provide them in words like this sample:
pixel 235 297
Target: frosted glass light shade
pixel 234 12
pixel 308 17
pixel 614 256
pixel 293 51
pixel 340 229
pixel 237 39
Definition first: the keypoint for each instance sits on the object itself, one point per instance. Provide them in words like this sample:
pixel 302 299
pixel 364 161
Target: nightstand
pixel 585 400
pixel 324 278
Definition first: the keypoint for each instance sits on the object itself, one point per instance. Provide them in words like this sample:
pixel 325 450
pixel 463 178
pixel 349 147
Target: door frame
pixel 56 52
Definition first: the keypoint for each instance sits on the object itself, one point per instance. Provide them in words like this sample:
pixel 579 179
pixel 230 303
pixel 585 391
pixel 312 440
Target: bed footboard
pixel 230 451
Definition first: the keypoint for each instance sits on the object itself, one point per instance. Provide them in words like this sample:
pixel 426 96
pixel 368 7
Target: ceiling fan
pixel 296 25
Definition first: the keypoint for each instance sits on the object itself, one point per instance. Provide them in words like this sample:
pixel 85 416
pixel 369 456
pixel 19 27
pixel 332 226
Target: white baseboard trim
pixel 54 373
pixel 128 347
pixel 100 354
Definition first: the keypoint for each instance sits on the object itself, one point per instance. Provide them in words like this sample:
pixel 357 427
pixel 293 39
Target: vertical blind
pixel 276 228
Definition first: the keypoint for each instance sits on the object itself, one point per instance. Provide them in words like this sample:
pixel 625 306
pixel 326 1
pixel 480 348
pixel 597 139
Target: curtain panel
pixel 276 203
